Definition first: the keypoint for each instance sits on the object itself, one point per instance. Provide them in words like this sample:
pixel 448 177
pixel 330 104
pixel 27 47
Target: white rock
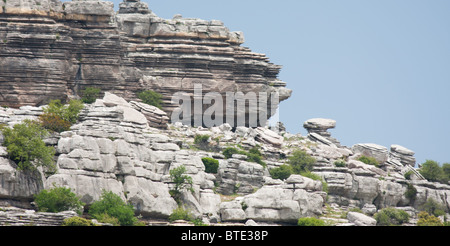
pixel 360 219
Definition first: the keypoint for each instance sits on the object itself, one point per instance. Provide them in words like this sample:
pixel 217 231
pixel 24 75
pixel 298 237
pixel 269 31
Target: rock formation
pixel 53 50
pixel 114 148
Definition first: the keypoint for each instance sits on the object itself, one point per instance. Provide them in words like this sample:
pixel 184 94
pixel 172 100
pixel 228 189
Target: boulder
pixel 360 219
pixel 380 153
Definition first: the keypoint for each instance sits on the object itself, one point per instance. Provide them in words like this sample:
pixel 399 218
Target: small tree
pixel 111 205
pixel 58 199
pixel 90 94
pixel 301 162
pixel 182 182
pixel 151 98
pixel 391 217
pixel 25 146
pixel 282 172
pixel 69 112
pixel 211 165
pixel 433 172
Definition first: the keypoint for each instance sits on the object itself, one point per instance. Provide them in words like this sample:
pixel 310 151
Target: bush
pixel 310 221
pixel 301 162
pixel 68 112
pixel 229 152
pixel 211 165
pixel 151 98
pixel 253 155
pixel 431 171
pixel 181 181
pixel 202 142
pixel 425 219
pixel 369 160
pixel 282 172
pixel 77 221
pixel 112 205
pixel 340 163
pixel 58 199
pixel 90 94
pixel 391 217
pixel 432 207
pixel 411 192
pixel 25 146
pixel 180 214
pixel 53 122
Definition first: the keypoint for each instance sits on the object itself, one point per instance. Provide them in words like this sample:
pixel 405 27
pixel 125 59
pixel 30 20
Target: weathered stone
pixel 380 153
pixel 360 219
pixel 66 47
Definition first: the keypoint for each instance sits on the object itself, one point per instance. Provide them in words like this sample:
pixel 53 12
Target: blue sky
pixel 380 68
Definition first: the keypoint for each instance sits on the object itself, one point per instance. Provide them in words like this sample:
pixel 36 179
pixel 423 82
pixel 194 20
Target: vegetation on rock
pixel 25 145
pixel 111 205
pixel 58 199
pixel 151 98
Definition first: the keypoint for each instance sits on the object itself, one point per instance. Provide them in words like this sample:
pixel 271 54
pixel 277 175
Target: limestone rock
pixel 68 46
pixel 403 155
pixel 380 153
pixel 360 219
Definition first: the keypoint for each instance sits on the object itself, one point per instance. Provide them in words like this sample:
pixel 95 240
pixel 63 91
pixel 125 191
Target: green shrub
pixel 77 221
pixel 180 214
pixel 58 199
pixel 340 163
pixel 90 94
pixel 425 219
pixel 432 207
pixel 282 172
pixel 112 205
pixel 310 221
pixel 369 160
pixel 211 165
pixel 229 152
pixel 151 98
pixel 431 171
pixel 69 112
pixel 25 146
pixel 108 219
pixel 202 142
pixel 182 182
pixel 411 192
pixel 253 155
pixel 53 122
pixel 301 161
pixel 408 175
pixel 391 217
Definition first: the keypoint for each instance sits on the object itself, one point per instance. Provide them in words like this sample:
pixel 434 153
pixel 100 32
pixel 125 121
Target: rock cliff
pixel 52 50
pixel 114 148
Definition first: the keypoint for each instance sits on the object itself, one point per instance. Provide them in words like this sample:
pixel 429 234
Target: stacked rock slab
pixel 114 149
pixel 318 131
pixel 65 47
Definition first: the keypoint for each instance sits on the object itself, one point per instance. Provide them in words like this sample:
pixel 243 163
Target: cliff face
pixel 53 50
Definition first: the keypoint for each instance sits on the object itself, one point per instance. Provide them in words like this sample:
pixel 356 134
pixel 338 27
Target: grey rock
pixel 380 153
pixel 360 219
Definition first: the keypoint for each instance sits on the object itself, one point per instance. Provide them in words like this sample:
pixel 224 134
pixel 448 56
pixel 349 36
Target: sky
pixel 380 68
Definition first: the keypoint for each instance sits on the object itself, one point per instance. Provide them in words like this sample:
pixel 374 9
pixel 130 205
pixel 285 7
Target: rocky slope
pixel 112 147
pixel 53 50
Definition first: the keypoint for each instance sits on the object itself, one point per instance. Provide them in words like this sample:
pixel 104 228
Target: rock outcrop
pixel 53 50
pixel 114 147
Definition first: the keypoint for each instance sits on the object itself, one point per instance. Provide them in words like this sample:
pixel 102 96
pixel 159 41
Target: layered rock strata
pixel 53 50
pixel 113 148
